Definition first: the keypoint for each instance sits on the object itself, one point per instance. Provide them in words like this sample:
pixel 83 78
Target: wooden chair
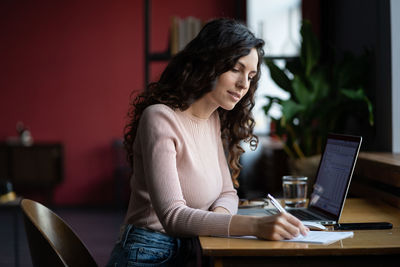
pixel 51 240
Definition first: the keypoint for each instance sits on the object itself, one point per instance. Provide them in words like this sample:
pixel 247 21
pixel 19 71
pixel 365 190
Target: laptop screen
pixel 334 173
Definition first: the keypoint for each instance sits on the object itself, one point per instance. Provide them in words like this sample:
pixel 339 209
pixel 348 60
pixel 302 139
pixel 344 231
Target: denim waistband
pixel 148 234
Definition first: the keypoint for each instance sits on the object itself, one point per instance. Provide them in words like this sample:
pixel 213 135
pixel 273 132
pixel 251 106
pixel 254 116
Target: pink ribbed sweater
pixel 180 175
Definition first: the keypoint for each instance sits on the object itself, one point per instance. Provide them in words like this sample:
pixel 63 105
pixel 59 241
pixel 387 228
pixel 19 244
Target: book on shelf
pixel 182 31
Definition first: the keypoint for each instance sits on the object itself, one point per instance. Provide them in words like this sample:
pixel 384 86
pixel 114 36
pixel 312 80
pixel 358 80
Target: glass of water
pixel 294 190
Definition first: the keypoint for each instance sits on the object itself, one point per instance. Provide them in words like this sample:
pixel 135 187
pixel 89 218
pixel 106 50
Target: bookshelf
pixel 149 56
pixel 239 13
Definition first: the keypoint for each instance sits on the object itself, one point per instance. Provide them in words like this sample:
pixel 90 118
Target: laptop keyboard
pixel 302 215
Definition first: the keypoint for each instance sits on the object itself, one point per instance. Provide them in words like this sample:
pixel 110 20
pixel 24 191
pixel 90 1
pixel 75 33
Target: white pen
pixel 276 204
pixel 282 210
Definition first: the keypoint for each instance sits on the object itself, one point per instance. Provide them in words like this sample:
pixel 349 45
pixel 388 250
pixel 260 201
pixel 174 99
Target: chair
pixel 51 240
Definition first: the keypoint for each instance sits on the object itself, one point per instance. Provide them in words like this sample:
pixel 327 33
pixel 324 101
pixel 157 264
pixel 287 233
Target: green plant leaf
pixel 310 50
pixel 321 95
pixel 290 109
pixel 279 76
pixel 359 95
pixel 320 86
pixel 353 94
pixel 370 111
pixel 300 91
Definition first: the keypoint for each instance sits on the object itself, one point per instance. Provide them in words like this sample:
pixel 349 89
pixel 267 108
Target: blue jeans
pixel 143 247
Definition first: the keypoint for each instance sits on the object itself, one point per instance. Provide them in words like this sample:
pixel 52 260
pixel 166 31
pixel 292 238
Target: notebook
pixel 314 237
pixel 332 181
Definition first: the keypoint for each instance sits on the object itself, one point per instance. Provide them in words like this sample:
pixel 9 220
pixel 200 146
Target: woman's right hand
pixel 279 226
pixel 275 227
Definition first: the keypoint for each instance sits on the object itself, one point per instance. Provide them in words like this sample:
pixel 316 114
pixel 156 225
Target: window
pixel 278 23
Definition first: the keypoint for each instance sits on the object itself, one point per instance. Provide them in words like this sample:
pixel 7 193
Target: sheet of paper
pixel 321 237
pixel 314 237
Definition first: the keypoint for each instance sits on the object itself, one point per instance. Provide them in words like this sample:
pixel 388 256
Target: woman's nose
pixel 243 82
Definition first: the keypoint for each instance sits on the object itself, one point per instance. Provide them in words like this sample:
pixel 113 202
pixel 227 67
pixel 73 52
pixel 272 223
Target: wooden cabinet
pixel 35 167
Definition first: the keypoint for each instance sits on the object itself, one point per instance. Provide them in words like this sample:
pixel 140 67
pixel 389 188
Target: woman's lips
pixel 235 96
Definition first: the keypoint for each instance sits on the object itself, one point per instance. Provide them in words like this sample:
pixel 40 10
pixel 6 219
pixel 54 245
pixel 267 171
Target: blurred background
pixel 68 69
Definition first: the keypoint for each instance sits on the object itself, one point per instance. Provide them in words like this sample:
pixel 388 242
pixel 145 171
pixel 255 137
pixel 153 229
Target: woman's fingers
pixel 289 230
pixel 298 224
pixel 282 226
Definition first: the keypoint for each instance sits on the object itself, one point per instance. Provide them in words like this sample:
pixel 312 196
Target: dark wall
pixel 67 69
pixel 356 25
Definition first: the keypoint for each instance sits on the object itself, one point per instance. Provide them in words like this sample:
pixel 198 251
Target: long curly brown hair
pixel 193 72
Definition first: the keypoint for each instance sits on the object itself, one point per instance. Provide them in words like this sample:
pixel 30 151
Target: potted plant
pixel 321 97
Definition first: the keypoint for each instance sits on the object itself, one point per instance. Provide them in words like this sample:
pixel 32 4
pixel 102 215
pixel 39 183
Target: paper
pixel 314 237
pixel 321 237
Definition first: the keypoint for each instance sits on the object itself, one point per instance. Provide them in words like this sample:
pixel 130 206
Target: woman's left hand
pixel 221 210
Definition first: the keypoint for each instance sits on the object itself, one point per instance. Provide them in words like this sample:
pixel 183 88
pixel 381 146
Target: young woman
pixel 179 133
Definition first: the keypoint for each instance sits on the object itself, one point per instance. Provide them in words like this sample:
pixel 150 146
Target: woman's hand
pixel 221 210
pixel 280 226
pixel 276 227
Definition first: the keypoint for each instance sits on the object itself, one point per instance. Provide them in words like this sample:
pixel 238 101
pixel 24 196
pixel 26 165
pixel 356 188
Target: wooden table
pixel 366 248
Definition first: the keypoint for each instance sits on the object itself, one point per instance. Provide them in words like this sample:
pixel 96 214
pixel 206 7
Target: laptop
pixel 332 182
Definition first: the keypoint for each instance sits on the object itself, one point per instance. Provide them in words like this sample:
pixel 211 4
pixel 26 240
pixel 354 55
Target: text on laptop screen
pixel 333 175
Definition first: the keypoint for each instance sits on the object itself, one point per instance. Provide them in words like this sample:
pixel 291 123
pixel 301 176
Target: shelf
pixel 383 167
pixel 377 175
pixel 161 56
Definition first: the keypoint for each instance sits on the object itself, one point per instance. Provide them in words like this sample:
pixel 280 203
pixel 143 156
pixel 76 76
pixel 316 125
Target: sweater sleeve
pixel 159 136
pixel 228 198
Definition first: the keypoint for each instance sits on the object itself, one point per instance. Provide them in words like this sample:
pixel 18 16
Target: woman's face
pixel 232 85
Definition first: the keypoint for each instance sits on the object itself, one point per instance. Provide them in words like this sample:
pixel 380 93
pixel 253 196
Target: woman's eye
pixel 235 70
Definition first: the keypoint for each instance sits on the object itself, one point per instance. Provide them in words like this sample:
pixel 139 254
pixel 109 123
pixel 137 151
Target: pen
pixel 282 210
pixel 276 204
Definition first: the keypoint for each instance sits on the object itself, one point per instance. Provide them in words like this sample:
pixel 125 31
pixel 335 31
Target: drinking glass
pixel 294 190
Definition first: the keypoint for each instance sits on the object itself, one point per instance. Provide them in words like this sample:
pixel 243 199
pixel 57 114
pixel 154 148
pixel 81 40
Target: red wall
pixel 67 69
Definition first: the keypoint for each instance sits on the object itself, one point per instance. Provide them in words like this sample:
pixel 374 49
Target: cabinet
pixel 32 168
